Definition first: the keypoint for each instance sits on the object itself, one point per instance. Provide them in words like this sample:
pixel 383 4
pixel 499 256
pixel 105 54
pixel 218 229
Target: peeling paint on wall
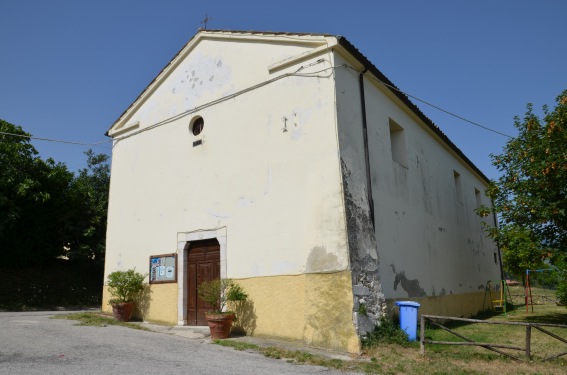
pixel 245 201
pixel 363 253
pixel 294 122
pixel 412 287
pixel 434 293
pixel 197 79
pixel 320 260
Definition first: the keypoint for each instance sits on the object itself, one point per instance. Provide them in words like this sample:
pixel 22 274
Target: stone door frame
pixel 183 240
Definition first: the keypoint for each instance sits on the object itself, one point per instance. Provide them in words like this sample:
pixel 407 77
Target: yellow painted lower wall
pixel 313 308
pixel 158 303
pixel 329 313
pixel 456 305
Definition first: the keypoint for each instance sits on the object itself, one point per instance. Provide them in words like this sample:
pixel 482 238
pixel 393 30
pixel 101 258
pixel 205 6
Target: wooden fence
pixel 490 346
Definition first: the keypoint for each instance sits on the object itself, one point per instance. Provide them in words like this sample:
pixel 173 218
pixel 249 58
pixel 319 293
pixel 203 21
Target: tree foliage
pixel 521 250
pixel 18 162
pixel 45 210
pixel 89 191
pixel 530 198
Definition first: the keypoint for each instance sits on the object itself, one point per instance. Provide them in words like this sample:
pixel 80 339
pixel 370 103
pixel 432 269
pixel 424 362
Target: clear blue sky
pixel 68 69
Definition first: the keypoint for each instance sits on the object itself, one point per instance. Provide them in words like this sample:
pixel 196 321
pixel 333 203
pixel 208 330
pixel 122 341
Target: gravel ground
pixel 32 343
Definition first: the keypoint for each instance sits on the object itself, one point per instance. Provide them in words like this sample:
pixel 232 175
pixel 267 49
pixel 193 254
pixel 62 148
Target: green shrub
pixel 218 292
pixel 562 290
pixel 125 286
pixel 236 293
pixel 386 332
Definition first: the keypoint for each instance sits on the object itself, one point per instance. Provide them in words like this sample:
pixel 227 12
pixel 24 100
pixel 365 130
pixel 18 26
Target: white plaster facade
pixel 280 174
pixel 429 240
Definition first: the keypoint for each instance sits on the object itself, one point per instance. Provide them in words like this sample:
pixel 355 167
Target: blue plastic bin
pixel 408 318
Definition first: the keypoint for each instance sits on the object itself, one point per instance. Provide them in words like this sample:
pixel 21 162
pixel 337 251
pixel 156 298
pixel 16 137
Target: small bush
pixel 125 286
pixel 386 332
pixel 218 292
pixel 235 293
pixel 562 290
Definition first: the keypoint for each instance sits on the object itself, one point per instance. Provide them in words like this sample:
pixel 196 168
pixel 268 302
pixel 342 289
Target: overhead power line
pixel 55 140
pixel 444 110
pixel 296 73
pixel 432 105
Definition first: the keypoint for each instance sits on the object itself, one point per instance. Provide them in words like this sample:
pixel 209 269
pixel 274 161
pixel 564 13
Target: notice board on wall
pixel 163 268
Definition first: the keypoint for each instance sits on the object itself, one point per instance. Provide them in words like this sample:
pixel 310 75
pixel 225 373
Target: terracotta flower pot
pixel 122 311
pixel 219 324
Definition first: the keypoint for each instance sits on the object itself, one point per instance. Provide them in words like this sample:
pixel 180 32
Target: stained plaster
pixel 364 261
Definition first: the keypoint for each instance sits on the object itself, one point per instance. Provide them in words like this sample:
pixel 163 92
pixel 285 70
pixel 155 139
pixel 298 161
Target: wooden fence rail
pixel 490 346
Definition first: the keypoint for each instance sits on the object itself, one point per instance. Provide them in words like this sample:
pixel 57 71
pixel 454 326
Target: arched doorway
pixel 203 264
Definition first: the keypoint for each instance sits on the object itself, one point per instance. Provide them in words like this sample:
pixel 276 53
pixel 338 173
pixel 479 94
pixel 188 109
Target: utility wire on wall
pixel 433 105
pixel 57 140
pixel 298 74
pixel 219 100
pixel 443 110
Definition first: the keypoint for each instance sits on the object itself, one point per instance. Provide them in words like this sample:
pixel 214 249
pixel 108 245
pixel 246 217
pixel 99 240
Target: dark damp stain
pixel 411 287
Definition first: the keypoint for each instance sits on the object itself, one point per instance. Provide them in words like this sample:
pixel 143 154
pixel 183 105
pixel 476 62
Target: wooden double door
pixel 203 265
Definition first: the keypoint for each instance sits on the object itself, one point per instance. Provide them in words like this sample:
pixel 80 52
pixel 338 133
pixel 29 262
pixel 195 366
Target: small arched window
pixel 197 126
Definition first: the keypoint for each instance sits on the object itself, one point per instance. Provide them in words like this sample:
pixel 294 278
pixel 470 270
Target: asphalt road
pixel 32 343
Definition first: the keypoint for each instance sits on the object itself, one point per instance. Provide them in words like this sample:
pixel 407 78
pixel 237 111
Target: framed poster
pixel 163 268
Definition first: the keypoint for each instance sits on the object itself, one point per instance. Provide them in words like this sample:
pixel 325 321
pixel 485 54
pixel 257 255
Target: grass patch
pixel 237 345
pixel 294 356
pixel 386 332
pixel 478 360
pixel 97 320
pixel 384 356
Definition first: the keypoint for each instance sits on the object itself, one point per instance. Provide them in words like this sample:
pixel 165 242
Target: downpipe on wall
pixel 366 150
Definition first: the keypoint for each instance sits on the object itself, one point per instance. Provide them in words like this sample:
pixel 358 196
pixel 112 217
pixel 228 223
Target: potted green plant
pixel 218 293
pixel 125 287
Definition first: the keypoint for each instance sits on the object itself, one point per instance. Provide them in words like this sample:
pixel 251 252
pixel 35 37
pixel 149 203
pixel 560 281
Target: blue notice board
pixel 163 268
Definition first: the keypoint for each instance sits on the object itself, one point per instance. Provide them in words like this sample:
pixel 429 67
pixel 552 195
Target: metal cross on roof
pixel 205 21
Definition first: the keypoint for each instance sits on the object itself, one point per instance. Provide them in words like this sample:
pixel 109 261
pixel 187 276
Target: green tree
pixel 33 200
pixel 18 161
pixel 530 198
pixel 521 250
pixel 89 192
pixel 45 210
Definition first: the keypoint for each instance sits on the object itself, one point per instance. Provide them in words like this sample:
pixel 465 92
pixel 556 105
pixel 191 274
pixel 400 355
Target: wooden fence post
pixel 422 336
pixel 528 340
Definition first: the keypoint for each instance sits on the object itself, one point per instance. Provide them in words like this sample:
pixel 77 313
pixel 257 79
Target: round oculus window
pixel 198 125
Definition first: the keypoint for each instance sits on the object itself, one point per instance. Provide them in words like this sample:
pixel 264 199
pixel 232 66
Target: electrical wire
pixel 213 102
pixel 97 144
pixel 445 111
pixel 306 74
pixel 56 140
pixel 231 96
pixel 432 105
